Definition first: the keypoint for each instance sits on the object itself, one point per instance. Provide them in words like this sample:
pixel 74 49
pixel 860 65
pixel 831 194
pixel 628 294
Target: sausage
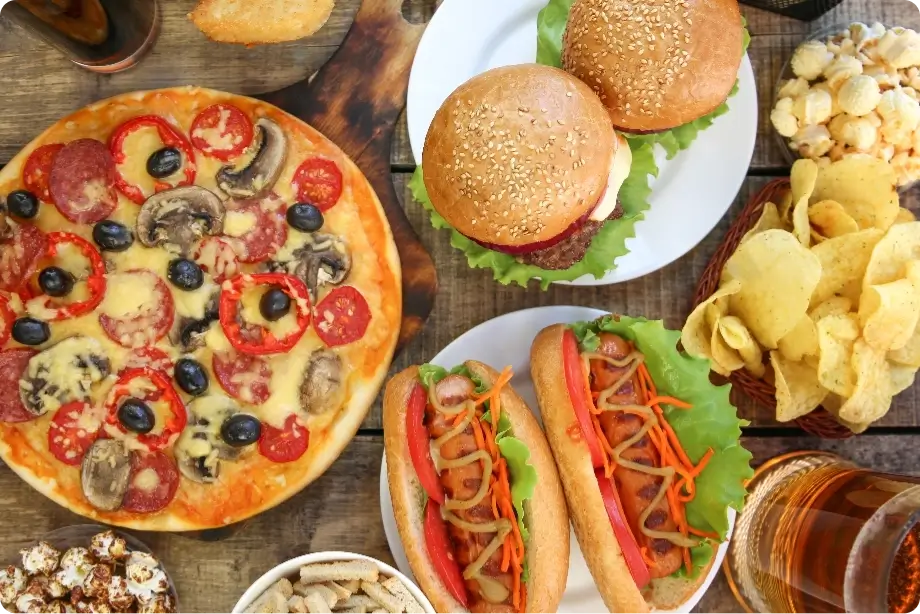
pixel 462 483
pixel 636 489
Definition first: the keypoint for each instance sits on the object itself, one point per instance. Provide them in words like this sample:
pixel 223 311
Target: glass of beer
pixel 100 35
pixel 819 534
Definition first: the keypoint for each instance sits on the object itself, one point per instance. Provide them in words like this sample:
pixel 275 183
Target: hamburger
pixel 524 160
pixel 655 64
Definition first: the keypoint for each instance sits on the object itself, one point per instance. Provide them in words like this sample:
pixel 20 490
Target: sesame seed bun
pixel 656 64
pixel 518 154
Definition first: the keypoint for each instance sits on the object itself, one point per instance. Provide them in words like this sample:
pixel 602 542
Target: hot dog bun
pixel 547 550
pixel 589 517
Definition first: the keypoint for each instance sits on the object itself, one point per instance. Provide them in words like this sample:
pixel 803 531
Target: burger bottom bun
pixel 592 526
pixel 545 515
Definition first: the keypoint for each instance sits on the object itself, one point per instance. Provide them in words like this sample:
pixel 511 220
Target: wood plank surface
pixel 341 511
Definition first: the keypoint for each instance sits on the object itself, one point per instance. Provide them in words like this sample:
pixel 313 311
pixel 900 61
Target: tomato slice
pixel 222 131
pixel 575 382
pixel 37 170
pixel 420 446
pixel 74 428
pixel 628 546
pixel 284 445
pixel 342 316
pixel 441 553
pixel 318 181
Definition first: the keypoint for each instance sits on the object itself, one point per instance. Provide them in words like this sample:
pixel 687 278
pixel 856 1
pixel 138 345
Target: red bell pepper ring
pixel 258 340
pixel 6 320
pixel 95 282
pixel 164 392
pixel 170 138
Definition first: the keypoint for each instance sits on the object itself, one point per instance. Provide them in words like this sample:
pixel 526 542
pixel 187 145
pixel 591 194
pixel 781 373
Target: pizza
pixel 199 299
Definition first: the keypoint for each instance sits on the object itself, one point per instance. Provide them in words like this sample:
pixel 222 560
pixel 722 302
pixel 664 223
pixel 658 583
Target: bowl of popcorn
pixel 86 568
pixel 853 90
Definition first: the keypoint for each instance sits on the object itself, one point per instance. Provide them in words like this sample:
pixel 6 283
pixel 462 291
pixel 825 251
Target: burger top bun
pixel 656 64
pixel 517 154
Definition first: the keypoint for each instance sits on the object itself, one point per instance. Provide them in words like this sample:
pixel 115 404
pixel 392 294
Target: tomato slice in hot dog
pixel 419 445
pixel 628 546
pixel 440 551
pixel 575 382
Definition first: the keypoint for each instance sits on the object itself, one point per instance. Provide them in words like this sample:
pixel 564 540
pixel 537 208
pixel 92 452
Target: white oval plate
pixel 692 192
pixel 504 341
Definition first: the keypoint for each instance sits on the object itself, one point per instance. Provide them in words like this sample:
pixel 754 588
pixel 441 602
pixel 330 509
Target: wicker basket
pixel 803 10
pixel 819 422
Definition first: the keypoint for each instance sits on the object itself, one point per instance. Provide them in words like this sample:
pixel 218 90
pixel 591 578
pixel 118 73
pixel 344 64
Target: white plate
pixel 693 191
pixel 506 341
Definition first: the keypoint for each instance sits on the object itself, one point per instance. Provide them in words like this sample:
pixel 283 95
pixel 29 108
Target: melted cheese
pixel 130 441
pixel 219 258
pixel 238 223
pixel 146 480
pixel 141 143
pixel 217 340
pixel 619 171
pixel 287 376
pixel 193 304
pixel 217 136
pixel 57 367
pixel 129 294
pixel 71 259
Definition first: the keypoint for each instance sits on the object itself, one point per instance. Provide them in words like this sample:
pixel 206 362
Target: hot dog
pixel 626 474
pixel 451 470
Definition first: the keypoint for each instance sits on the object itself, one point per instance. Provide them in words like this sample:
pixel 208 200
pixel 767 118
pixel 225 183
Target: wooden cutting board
pixel 355 100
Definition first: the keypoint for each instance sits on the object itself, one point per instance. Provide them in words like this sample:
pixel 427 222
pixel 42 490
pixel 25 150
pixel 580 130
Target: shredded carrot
pixel 489 435
pixel 688 565
pixel 516 591
pixel 711 535
pixel 703 462
pixel 644 552
pixel 477 433
pixel 658 400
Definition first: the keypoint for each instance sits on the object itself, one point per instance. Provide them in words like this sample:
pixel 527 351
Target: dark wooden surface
pixel 341 510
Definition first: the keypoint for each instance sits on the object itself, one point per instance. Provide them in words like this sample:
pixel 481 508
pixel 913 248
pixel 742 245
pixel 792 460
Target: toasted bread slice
pixel 257 22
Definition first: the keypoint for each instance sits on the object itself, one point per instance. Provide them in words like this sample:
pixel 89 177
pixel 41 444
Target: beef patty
pixel 571 250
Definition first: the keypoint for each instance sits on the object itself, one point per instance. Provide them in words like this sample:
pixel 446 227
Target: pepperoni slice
pixel 222 131
pixel 82 181
pixel 73 430
pixel 284 445
pixel 37 170
pixel 150 358
pixel 13 364
pixel 149 325
pixel 268 233
pixel 19 255
pixel 243 376
pixel 152 484
pixel 342 316
pixel 318 181
pixel 216 256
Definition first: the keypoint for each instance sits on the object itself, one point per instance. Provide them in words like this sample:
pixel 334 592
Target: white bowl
pixel 291 569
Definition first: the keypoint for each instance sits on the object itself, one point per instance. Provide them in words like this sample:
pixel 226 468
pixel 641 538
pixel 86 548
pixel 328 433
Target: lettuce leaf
pixel 550 28
pixel 712 422
pixel 608 245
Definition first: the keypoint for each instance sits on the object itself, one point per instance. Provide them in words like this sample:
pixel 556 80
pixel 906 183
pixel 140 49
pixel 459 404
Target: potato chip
pixel 836 336
pixel 889 314
pixel 843 259
pixel 714 311
pixel 835 305
pixel 798 391
pixel 905 216
pixel 909 355
pixel 833 403
pixel 696 336
pixel 866 187
pixel 802 179
pixel 739 338
pixel 777 277
pixel 769 220
pixel 725 359
pixel 902 377
pixel 829 219
pixel 900 245
pixel 801 341
pixel 871 397
pixel 784 208
pixel 912 272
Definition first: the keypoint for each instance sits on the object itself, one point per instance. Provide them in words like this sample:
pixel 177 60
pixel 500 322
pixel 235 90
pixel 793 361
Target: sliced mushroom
pixel 187 333
pixel 104 474
pixel 323 261
pixel 200 449
pixel 260 175
pixel 62 373
pixel 322 389
pixel 180 217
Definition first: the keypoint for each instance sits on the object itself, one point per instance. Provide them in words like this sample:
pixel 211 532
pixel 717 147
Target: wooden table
pixel 341 510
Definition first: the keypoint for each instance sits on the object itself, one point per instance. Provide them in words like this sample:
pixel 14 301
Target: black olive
pixel 136 416
pixel 185 274
pixel 29 331
pixel 305 217
pixel 112 236
pixel 240 430
pixel 164 162
pixel 22 203
pixel 55 281
pixel 275 304
pixel 191 376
